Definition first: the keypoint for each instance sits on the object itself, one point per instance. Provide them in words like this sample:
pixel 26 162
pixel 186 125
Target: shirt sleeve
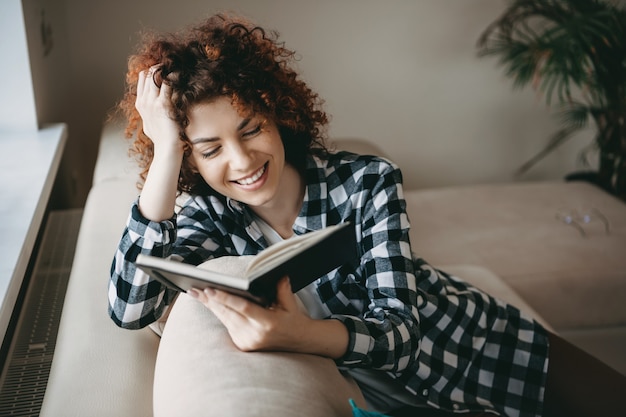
pixel 386 337
pixel 135 299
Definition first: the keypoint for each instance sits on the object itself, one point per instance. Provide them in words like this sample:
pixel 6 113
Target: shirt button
pixel 425 392
pixel 455 406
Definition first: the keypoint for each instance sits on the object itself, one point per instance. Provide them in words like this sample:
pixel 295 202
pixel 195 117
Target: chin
pixel 257 202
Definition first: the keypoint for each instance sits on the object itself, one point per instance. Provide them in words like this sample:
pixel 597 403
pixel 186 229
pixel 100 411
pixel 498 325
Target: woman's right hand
pixel 154 106
pixel 158 195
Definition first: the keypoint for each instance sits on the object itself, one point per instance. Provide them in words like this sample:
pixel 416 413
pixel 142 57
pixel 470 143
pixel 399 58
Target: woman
pixel 222 116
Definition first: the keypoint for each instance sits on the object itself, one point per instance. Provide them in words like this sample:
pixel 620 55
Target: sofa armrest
pixel 200 372
pixel 99 369
pixel 114 161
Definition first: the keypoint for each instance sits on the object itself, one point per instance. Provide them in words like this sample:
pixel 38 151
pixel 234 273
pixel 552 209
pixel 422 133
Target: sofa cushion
pixel 515 230
pixel 99 369
pixel 114 161
pixel 200 372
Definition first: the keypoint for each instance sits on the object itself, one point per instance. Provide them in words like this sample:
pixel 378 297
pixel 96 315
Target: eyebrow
pixel 241 126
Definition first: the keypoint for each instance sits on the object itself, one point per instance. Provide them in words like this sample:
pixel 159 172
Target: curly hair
pixel 226 56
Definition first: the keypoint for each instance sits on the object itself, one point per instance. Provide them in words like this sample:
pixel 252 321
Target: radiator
pixel 25 373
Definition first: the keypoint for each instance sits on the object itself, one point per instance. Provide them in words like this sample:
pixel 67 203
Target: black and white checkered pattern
pixel 451 345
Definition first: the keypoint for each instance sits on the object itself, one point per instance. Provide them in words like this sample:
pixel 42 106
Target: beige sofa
pixel 569 282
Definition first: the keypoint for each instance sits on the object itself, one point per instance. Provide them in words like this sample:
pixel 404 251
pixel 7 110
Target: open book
pixel 303 258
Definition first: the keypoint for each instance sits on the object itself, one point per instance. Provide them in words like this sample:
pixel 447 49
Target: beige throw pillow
pixel 200 372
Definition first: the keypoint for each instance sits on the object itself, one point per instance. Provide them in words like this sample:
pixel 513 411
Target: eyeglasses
pixel 578 218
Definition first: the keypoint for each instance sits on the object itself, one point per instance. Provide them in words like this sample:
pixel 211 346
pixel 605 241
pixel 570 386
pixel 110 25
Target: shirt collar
pixel 315 205
pixel 245 217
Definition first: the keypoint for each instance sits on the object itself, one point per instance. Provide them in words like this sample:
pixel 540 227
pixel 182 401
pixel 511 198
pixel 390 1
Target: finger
pixel 222 297
pixel 240 305
pixel 166 91
pixel 197 294
pixel 150 87
pixel 284 296
pixel 146 80
pixel 228 317
pixel 222 312
pixel 140 82
pixel 151 73
pixel 146 89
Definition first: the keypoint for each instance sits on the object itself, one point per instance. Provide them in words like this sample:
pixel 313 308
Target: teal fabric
pixel 359 412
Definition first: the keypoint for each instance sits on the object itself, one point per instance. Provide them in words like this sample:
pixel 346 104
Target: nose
pixel 240 156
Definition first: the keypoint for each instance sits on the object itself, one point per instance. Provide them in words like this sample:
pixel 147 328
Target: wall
pixel 48 82
pixel 48 55
pixel 402 73
pixel 17 100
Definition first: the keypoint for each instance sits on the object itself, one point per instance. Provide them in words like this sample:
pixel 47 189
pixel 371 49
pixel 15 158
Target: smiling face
pixel 240 157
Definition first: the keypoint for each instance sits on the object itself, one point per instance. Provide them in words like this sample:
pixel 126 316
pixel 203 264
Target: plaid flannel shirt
pixel 450 344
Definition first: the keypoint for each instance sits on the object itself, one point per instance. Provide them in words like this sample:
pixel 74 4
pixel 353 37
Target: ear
pixel 189 160
pixel 192 166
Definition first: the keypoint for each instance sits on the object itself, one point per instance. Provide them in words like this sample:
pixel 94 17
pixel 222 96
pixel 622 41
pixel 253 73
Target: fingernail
pixel 193 293
pixel 209 291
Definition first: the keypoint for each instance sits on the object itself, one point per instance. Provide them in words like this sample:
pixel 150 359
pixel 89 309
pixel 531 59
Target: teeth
pixel 253 178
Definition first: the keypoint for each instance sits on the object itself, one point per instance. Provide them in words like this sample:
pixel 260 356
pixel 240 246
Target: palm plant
pixel 573 51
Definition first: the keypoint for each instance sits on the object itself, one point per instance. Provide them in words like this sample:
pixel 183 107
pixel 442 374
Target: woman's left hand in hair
pixel 281 327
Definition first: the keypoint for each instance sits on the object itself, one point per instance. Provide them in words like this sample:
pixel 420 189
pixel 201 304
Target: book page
pixel 229 265
pixel 181 276
pixel 279 252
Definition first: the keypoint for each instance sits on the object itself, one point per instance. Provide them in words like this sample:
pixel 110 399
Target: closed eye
pixel 210 153
pixel 252 132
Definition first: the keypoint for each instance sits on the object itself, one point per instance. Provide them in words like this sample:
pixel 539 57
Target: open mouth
pixel 254 177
